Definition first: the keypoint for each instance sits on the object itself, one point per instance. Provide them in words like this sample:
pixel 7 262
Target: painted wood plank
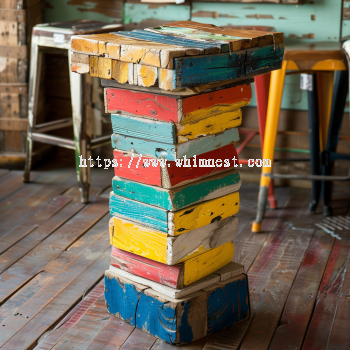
pixel 139 34
pixel 256 38
pixel 174 151
pixel 180 197
pixel 191 71
pixel 264 59
pixel 175 223
pixel 167 275
pixel 149 170
pixel 157 246
pixel 225 297
pixel 176 108
pixel 206 282
pixel 234 42
pixel 160 315
pixel 140 103
pixel 168 319
pixel 175 132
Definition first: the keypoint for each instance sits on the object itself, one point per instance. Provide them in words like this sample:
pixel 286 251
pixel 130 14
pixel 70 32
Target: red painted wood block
pixel 149 170
pixel 174 108
pixel 153 270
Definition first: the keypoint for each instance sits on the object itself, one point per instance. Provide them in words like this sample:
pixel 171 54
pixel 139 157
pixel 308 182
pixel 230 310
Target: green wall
pixel 314 21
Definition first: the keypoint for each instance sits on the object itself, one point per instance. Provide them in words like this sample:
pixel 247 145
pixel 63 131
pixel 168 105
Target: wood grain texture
pixel 180 197
pixel 175 223
pixel 149 170
pixel 172 320
pixel 157 246
pixel 166 275
pixel 175 132
pixel 146 76
pixel 174 151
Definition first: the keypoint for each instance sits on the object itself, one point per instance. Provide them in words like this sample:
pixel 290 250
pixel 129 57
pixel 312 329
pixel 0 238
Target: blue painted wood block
pixel 228 303
pixel 122 297
pixel 183 320
pixel 144 128
pixel 174 151
pixel 179 197
pixel 140 212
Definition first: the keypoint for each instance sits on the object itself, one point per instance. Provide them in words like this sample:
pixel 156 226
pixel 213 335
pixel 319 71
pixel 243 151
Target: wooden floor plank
pixel 302 297
pixel 28 335
pixel 51 247
pixel 57 285
pixel 138 340
pixel 30 241
pixel 13 181
pixel 196 345
pixel 30 206
pixel 3 172
pixel 33 222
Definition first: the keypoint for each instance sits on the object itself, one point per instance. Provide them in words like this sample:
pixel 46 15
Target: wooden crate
pixel 17 18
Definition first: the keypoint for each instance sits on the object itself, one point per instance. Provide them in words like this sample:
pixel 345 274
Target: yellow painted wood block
pixel 158 246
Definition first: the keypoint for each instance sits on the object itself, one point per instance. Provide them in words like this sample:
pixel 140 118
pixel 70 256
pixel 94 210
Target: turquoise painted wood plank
pixel 140 212
pixel 150 129
pixel 174 151
pixel 180 197
pixel 136 13
pixel 169 40
pixel 197 70
pixel 228 303
pixel 264 59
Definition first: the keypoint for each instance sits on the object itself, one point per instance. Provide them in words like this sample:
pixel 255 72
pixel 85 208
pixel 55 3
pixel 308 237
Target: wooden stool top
pixel 317 56
pixel 58 34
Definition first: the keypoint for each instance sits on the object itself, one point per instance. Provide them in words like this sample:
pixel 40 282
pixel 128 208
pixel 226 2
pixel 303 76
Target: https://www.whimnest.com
pixel 144 162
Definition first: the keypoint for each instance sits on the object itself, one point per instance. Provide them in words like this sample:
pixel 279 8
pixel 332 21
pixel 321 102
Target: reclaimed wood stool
pixel 321 60
pixel 57 36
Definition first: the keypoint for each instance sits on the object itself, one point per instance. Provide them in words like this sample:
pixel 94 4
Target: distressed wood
pixel 159 314
pixel 158 246
pixel 104 68
pixel 80 63
pixel 180 197
pixel 120 71
pixel 146 76
pixel 150 171
pixel 174 151
pixel 175 223
pixel 167 275
pixel 177 322
pixel 177 109
pixel 228 303
pixel 175 132
pixel 205 282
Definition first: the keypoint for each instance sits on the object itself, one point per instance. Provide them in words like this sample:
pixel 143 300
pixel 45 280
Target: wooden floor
pixel 54 252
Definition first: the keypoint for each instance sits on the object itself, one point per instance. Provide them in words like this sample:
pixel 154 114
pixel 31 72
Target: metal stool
pixel 321 60
pixel 55 36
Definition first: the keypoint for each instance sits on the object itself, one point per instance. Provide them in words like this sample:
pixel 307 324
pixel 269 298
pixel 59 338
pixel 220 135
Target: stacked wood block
pixel 176 186
pixel 17 18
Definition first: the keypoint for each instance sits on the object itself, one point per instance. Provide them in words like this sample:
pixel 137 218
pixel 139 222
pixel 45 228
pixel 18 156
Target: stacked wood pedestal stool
pixel 175 94
pixel 56 37
pixel 326 102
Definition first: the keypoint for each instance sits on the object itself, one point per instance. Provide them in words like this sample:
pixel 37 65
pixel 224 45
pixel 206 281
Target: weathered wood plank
pixel 157 245
pixel 303 294
pixel 29 242
pixel 174 151
pixel 179 222
pixel 25 268
pixel 181 197
pixel 149 170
